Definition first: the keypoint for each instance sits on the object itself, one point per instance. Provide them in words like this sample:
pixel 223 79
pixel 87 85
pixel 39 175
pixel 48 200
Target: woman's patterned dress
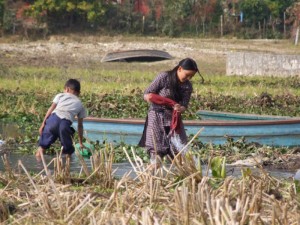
pixel 155 136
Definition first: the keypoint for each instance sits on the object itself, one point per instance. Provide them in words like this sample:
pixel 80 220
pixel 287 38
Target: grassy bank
pixel 103 80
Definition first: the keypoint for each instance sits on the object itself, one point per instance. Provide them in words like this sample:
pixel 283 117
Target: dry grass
pixel 179 194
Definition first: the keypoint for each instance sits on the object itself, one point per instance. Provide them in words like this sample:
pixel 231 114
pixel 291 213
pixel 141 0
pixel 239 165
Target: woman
pixel 169 95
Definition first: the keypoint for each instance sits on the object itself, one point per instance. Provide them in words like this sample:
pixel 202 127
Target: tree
pixel 254 11
pixel 1 14
pixel 203 10
pixel 277 9
pixel 293 13
pixel 88 11
pixel 173 15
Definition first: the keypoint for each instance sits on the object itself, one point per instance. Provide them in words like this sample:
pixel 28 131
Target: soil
pixel 84 51
pixel 285 162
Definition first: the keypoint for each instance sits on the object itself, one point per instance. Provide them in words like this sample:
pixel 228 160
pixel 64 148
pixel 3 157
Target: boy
pixel 59 118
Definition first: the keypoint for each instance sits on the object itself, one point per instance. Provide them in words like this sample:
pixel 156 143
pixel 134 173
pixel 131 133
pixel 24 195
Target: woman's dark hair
pixel 187 64
pixel 73 84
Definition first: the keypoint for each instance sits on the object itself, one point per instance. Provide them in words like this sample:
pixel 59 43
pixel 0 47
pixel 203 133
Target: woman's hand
pixel 147 97
pixel 179 108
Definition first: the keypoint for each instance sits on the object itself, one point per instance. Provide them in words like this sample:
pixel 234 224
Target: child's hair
pixel 73 84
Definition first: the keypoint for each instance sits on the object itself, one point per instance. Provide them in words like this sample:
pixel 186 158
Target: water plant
pixel 218 167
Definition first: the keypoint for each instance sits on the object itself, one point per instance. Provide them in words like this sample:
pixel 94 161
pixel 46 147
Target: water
pixel 236 171
pixel 32 165
pixel 8 130
pixel 297 175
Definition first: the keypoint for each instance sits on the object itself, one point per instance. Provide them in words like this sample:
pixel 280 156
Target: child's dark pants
pixel 58 128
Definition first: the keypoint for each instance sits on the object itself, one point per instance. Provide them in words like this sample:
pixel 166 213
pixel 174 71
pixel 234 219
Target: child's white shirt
pixel 68 106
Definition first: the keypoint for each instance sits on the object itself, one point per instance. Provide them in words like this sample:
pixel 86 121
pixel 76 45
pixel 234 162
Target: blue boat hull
pixel 218 115
pixel 129 131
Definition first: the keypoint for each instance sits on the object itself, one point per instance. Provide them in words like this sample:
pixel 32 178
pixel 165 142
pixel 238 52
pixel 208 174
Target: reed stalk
pixel 82 162
pixel 7 167
pixel 29 177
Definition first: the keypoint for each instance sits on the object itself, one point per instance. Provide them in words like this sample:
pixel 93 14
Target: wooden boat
pixel 136 55
pixel 267 132
pixel 219 115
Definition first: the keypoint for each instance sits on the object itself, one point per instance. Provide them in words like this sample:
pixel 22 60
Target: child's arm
pixel 50 110
pixel 80 131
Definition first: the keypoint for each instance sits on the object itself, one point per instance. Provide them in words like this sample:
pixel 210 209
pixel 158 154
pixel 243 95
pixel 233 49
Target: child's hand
pixel 81 145
pixel 41 129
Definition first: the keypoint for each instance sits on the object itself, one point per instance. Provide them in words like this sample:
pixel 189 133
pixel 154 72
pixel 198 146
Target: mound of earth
pixel 289 162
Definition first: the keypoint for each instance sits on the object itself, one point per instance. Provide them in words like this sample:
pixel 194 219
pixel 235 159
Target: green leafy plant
pixel 218 167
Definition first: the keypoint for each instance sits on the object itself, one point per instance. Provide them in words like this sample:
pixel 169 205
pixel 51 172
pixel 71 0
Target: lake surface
pixel 32 165
pixel 8 130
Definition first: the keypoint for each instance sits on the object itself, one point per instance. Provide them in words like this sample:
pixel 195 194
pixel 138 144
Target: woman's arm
pixel 155 87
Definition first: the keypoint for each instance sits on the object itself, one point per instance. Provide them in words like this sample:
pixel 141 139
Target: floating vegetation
pixel 132 105
pixel 28 114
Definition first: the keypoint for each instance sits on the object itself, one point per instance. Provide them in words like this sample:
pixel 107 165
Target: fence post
pixel 297 36
pixel 221 21
pixel 284 26
pixel 143 24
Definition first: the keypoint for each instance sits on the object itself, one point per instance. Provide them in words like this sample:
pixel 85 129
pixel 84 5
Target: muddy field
pixel 87 51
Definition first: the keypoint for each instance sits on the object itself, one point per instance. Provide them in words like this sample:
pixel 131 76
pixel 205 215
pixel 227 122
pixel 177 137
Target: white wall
pixel 253 63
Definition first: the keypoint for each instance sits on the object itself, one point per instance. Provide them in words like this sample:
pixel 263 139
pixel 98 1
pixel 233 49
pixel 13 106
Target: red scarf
pixel 176 123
